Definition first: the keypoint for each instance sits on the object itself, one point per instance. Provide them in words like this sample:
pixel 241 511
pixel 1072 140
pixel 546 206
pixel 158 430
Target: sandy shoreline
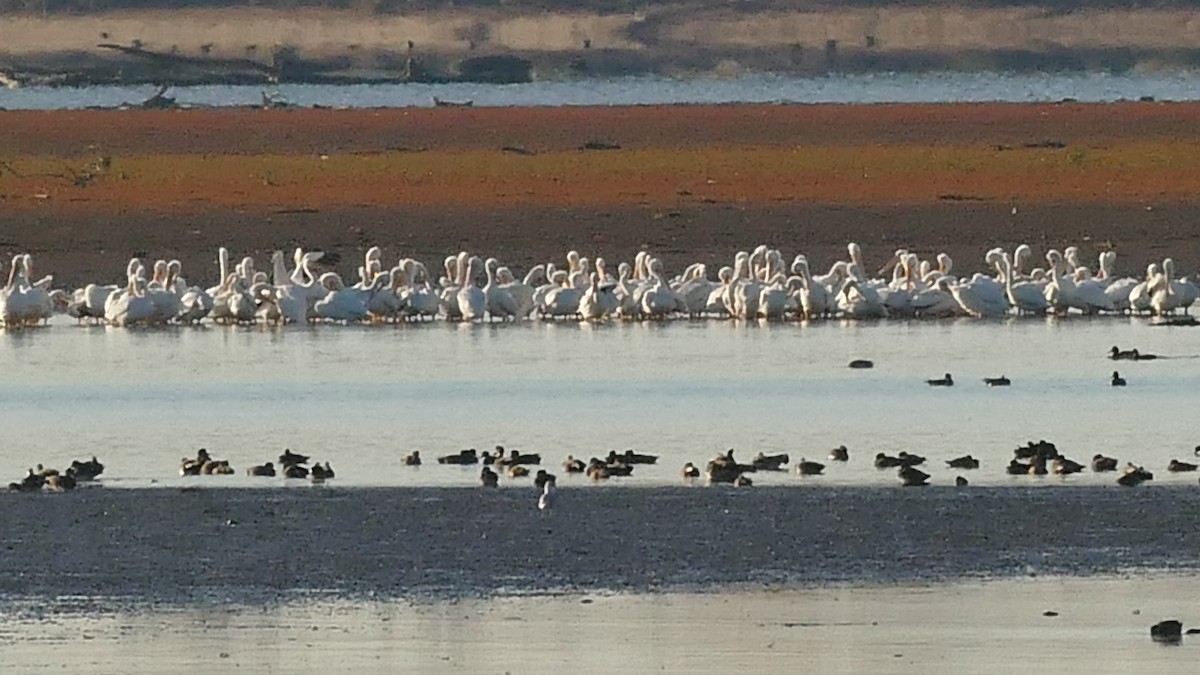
pixel 180 545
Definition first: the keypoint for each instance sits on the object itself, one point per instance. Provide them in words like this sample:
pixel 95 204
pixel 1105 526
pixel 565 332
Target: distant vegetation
pixel 595 6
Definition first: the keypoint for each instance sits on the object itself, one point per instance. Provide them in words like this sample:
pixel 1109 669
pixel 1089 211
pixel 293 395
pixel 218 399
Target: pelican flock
pixel 759 285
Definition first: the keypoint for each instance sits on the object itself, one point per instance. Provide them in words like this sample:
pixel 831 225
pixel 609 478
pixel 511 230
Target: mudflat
pixel 85 190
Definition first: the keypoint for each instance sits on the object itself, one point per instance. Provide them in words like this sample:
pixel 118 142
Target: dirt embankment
pixel 677 38
pixel 83 191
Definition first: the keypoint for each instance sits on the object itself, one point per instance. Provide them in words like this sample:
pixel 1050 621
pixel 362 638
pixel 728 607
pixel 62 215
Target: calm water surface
pixel 1102 626
pixel 874 88
pixel 364 397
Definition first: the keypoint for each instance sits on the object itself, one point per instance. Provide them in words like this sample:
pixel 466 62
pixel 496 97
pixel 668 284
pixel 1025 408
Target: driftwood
pixel 442 103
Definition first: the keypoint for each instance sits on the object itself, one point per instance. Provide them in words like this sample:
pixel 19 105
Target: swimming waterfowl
pixel 909 460
pixel 597 470
pixel 945 381
pixel 631 457
pixel 1117 380
pixel 807 468
pixel 883 461
pixel 543 477
pixel 85 471
pixel 1042 449
pixel 960 481
pixel 690 471
pixel 964 462
pixel 516 458
pixel 913 477
pixel 839 454
pixel 1062 466
pixel 413 458
pixel 1037 467
pixel 60 483
pixel 289 457
pixel 295 471
pixel 763 462
pixel 319 473
pixel 1017 468
pixel 1134 475
pixel 468 456
pixel 488 478
pixel 742 481
pixel 517 471
pixel 1001 381
pixel 194 467
pixel 218 468
pixel 1177 466
pixel 1130 355
pixel 267 469
pixel 1118 355
pixel 1100 463
pixel 573 465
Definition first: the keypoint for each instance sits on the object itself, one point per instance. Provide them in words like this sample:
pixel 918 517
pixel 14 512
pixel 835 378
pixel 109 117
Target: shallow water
pixel 363 397
pixel 935 87
pixel 1102 626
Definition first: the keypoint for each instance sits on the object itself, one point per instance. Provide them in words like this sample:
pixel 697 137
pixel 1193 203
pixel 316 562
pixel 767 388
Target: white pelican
pixel 500 303
pixel 1027 297
pixel 471 301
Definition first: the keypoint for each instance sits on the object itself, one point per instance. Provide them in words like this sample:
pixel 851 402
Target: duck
pixel 573 465
pixel 193 467
pixel 488 478
pixel 1176 466
pixel 909 460
pixel 742 481
pixel 1129 355
pixel 839 454
pixel 945 381
pixel 762 462
pixel 413 458
pixel 543 477
pixel 468 456
pixel 267 469
pixel 60 483
pixel 883 461
pixel 217 467
pixel 1038 467
pixel 295 471
pixel 320 473
pixel 516 458
pixel 517 471
pixel 913 477
pixel 289 457
pixel 961 481
pixel 1133 476
pixel 631 457
pixel 807 468
pixel 1001 381
pixel 690 471
pixel 1061 466
pixel 1017 468
pixel 1117 380
pixel 85 471
pixel 964 462
pixel 1100 463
